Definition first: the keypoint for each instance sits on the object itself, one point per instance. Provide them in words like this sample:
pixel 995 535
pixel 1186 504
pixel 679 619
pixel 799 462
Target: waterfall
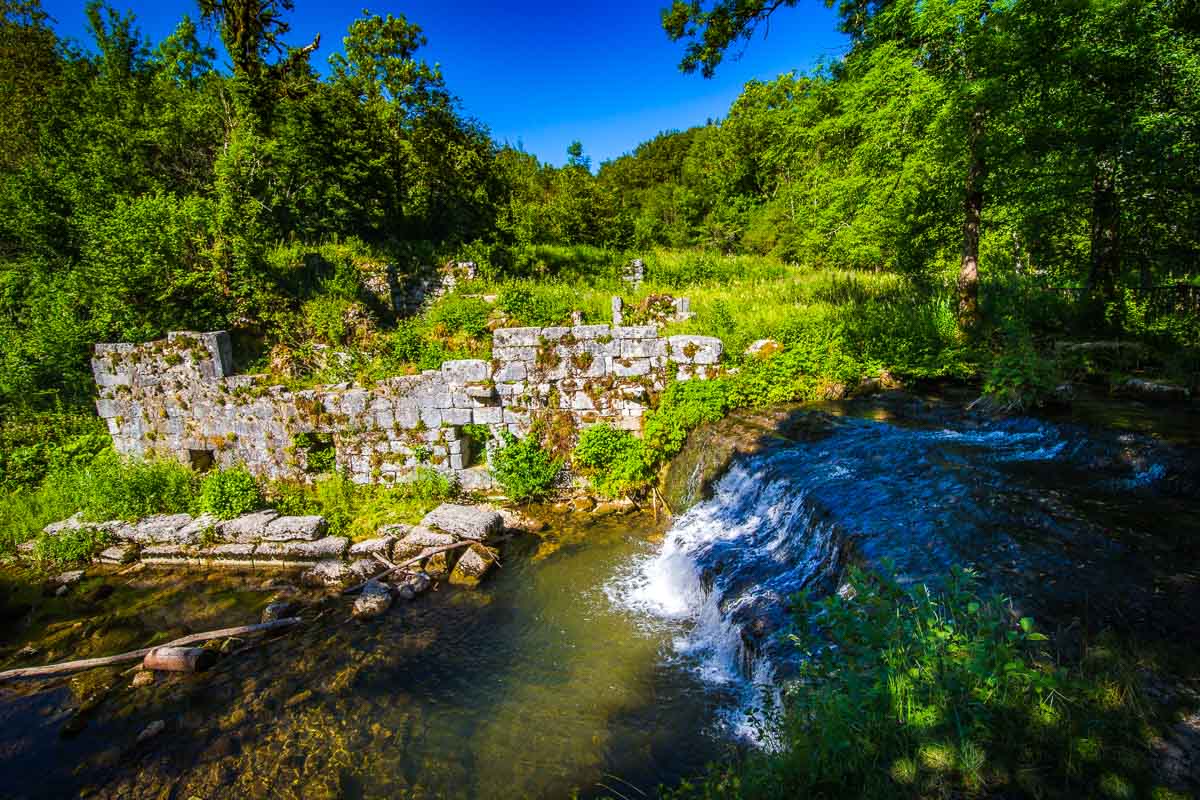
pixel 918 497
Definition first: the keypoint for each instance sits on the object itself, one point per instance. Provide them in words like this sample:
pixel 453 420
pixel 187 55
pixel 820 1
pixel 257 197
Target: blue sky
pixel 544 73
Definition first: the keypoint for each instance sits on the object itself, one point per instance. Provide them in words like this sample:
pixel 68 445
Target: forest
pixel 993 198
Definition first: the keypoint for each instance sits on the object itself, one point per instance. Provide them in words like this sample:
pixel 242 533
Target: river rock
pixel 381 544
pixel 151 730
pixel 69 578
pixel 469 522
pixel 143 677
pixel 164 529
pixel 282 529
pixel 413 585
pixel 417 541
pixel 582 504
pixel 374 600
pixel 516 521
pixel 472 565
pixel 1154 390
pixel 166 554
pixel 279 610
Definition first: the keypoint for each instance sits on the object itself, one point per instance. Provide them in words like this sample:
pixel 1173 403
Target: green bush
pixel 113 487
pixel 523 468
pixel 614 460
pixel 907 692
pixel 455 314
pixel 1019 378
pixel 682 408
pixel 229 493
pixel 69 547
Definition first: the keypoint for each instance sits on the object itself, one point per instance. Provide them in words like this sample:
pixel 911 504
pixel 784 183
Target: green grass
pixel 918 693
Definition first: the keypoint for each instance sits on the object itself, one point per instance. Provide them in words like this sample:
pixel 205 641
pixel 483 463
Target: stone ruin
pixel 178 398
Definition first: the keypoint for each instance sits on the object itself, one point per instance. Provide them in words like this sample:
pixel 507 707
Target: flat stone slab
pixel 248 527
pixel 381 545
pixel 118 554
pixel 284 529
pixel 238 552
pixel 197 528
pixel 469 522
pixel 331 547
pixel 164 529
pixel 417 541
pixel 167 554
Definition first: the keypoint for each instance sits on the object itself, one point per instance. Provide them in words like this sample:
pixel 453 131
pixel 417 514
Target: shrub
pixel 683 407
pixel 113 487
pixel 613 459
pixel 229 493
pixel 69 547
pixel 908 692
pixel 455 314
pixel 523 468
pixel 1019 377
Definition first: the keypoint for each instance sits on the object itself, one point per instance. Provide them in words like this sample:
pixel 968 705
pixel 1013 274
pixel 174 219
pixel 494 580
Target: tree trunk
pixel 1106 225
pixel 968 272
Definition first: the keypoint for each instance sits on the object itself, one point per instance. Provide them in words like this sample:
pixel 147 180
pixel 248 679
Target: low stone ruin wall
pixel 178 397
pixel 266 540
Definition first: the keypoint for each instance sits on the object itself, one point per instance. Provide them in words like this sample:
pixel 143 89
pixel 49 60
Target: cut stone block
pixel 469 522
pixel 282 529
pixel 381 545
pixel 163 528
pixel 248 527
pixel 417 541
pixel 302 552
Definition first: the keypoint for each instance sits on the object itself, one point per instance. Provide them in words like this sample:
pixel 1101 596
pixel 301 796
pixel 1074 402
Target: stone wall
pixel 177 397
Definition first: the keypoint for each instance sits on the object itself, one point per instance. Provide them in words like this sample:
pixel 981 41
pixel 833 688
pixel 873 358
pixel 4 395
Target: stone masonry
pixel 177 397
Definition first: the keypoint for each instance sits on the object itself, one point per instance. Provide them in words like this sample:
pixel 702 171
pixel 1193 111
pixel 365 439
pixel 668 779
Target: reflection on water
pixel 531 686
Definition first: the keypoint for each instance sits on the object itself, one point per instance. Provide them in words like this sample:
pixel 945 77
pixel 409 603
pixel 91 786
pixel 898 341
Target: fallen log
pixel 135 655
pixel 179 659
pixel 432 551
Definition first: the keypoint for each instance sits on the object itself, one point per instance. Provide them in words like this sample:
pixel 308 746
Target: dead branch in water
pixel 137 655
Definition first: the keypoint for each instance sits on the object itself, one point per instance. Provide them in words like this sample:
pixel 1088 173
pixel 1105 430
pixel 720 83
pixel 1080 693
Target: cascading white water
pixel 913 500
pixel 727 562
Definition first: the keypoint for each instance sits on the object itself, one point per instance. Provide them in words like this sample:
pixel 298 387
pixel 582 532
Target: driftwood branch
pixel 137 655
pixel 432 551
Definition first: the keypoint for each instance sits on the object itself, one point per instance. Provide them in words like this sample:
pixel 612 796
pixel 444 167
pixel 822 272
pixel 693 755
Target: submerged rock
pixel 469 522
pixel 332 575
pixel 279 609
pixel 517 521
pixel 472 565
pixel 151 730
pixel 143 677
pixel 375 599
pixel 412 585
pixel 69 578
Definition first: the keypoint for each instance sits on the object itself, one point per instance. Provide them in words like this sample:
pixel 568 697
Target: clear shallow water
pixel 533 685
